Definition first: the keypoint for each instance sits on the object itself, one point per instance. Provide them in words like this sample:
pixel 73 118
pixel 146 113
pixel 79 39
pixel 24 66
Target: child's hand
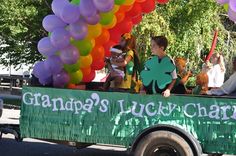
pixel 166 93
pixel 189 73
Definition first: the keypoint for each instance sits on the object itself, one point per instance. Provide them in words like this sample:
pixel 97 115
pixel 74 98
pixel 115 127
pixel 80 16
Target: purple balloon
pixel 57 6
pixel 232 15
pixel 222 1
pixel 60 79
pixel 93 20
pixel 45 47
pixel 53 64
pixel 45 81
pixel 51 22
pixel 70 13
pixel 78 30
pixel 104 5
pixel 232 5
pixel 40 71
pixel 60 38
pixel 69 55
pixel 87 8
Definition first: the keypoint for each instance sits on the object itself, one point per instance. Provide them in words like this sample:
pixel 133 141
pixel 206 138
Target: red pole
pixel 213 46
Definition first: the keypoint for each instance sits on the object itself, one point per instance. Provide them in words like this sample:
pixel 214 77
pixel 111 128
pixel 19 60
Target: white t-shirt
pixel 216 76
pixel 227 88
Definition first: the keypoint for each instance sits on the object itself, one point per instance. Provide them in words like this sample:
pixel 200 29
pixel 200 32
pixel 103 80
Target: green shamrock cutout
pixel 157 72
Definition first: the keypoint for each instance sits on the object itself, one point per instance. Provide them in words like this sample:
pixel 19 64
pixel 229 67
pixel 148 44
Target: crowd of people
pixel 124 67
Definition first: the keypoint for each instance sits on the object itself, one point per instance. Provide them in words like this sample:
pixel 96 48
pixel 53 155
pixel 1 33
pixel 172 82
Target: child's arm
pixel 123 63
pixel 166 93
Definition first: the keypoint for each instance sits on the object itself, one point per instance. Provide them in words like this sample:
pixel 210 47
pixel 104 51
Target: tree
pixel 21 29
pixel 189 26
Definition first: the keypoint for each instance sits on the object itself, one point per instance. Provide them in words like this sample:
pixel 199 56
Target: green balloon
pixel 226 7
pixel 76 77
pixel 130 67
pixel 76 2
pixel 106 18
pixel 119 2
pixel 85 46
pixel 72 68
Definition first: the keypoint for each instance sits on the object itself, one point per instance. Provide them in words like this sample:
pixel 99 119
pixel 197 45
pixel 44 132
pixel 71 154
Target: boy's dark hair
pixel 161 41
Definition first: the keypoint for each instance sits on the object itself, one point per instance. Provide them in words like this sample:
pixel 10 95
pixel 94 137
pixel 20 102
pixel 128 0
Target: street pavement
pixel 33 147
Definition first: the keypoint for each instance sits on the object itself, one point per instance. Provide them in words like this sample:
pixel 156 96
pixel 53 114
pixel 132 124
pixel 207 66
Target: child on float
pixel 158 48
pixel 182 75
pixel 215 69
pixel 116 73
pixel 201 84
pixel 130 64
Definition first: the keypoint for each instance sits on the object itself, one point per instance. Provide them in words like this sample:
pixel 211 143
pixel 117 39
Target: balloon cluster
pixel 230 6
pixel 81 33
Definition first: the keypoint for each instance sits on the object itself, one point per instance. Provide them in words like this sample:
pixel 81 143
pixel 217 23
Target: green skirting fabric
pixel 118 118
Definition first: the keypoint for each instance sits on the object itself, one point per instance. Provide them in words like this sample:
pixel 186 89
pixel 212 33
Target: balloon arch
pixel 81 33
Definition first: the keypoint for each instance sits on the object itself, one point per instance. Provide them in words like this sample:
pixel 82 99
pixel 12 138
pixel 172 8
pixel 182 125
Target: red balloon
pixel 97 64
pixel 126 25
pixel 162 1
pixel 137 19
pixel 115 33
pixel 107 47
pixel 120 16
pixel 148 6
pixel 136 10
pixel 90 77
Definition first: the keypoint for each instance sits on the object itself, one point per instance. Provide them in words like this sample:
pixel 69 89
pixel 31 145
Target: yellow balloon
pixel 115 8
pixel 93 42
pixel 85 61
pixel 94 31
pixel 129 2
pixel 76 77
pixel 113 23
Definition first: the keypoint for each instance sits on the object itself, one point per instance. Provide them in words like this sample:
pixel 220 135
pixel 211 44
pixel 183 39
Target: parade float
pixel 80 34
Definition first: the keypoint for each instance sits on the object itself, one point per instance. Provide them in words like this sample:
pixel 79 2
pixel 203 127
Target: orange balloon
pixel 140 1
pixel 115 8
pixel 103 38
pixel 71 86
pixel 86 71
pixel 98 53
pixel 129 2
pixel 85 61
pixel 120 16
pixel 93 42
pixel 125 8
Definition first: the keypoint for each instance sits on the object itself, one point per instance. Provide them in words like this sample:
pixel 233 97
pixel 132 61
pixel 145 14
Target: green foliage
pixel 21 29
pixel 189 26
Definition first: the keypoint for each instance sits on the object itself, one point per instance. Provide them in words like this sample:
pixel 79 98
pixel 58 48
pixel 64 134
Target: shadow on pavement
pixel 9 147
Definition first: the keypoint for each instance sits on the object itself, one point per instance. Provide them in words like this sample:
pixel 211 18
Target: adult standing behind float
pixel 215 70
pixel 131 62
pixel 229 87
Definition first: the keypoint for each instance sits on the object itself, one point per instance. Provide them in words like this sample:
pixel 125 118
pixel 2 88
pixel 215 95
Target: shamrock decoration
pixel 157 73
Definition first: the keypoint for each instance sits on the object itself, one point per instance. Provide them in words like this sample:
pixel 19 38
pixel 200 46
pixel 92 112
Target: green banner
pixel 118 118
